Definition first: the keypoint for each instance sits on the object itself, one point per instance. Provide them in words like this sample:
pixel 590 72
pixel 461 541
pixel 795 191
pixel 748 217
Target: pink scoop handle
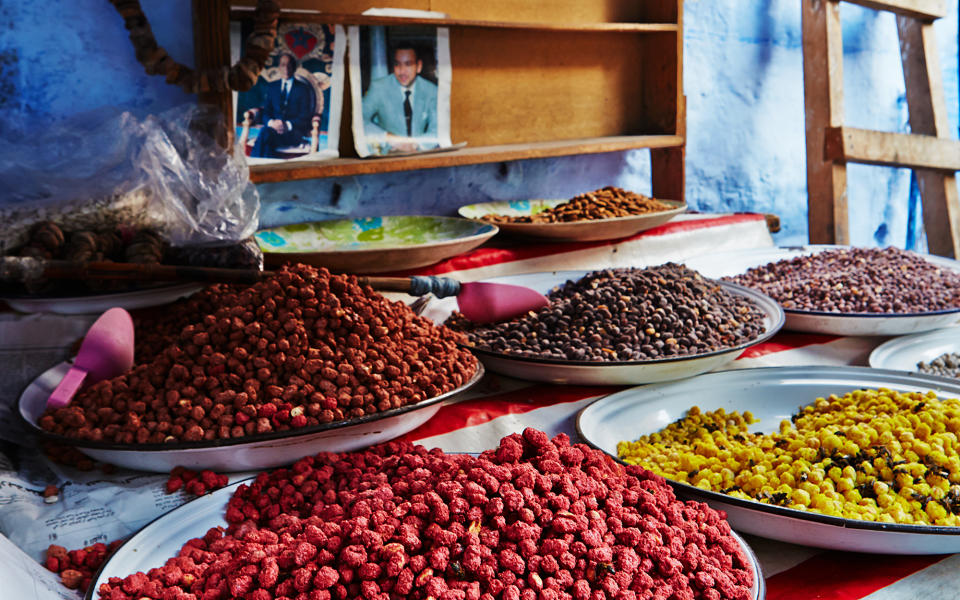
pixel 68 386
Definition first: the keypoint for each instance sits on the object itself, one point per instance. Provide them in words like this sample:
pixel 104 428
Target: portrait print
pixel 293 110
pixel 400 85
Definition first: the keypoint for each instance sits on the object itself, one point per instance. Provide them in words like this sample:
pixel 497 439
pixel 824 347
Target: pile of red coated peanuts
pixel 300 349
pixel 533 519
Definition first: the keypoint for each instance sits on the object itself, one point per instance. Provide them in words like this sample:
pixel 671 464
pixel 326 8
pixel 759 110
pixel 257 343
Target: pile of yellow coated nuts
pixel 874 455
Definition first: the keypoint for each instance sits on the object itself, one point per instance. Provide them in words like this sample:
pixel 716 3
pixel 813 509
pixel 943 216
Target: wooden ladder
pixel 830 145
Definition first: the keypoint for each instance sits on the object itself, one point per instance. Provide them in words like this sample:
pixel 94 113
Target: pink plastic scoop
pixel 106 351
pixel 479 301
pixel 491 302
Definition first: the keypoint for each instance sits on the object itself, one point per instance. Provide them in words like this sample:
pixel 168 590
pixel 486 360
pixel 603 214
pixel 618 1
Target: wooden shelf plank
pixel 296 16
pixel 296 170
pixel 854 145
pixel 925 10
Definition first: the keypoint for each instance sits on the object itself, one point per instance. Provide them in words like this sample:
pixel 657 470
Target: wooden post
pixel 928 116
pixel 211 43
pixel 668 165
pixel 823 101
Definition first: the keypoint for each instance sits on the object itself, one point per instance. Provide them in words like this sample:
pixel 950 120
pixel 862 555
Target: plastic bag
pixel 105 168
pixel 204 192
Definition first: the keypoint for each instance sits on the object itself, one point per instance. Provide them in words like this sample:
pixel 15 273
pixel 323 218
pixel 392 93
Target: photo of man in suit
pixel 402 105
pixel 287 113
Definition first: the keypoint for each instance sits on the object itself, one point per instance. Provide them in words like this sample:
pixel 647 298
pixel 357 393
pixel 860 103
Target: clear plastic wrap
pixel 107 168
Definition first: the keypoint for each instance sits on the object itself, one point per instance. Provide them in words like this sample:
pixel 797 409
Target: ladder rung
pixel 926 10
pixel 848 144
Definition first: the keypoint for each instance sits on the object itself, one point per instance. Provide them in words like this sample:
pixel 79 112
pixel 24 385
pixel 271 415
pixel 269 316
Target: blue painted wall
pixel 743 80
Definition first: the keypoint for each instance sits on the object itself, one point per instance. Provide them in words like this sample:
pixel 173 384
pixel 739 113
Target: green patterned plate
pixel 574 231
pixel 373 244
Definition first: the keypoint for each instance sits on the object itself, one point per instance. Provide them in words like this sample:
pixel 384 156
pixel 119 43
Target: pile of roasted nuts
pixel 606 203
pixel 532 519
pixel 626 315
pixel 300 349
pixel 857 280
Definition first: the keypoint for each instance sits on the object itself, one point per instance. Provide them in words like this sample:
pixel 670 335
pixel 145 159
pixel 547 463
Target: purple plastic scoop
pixel 106 351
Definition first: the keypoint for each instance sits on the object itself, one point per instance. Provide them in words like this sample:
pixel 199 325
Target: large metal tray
pixel 772 395
pixel 239 454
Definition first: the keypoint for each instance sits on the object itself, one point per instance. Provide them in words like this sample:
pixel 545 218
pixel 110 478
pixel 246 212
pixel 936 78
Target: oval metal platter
pixel 903 353
pixel 608 373
pixel 772 395
pixel 725 264
pixel 97 303
pixel 252 452
pixel 572 231
pixel 161 539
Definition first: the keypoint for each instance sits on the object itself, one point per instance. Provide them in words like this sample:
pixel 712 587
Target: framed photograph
pixel 293 111
pixel 400 85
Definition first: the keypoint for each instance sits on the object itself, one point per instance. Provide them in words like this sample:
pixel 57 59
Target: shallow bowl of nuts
pixel 247 377
pixel 620 326
pixel 844 290
pixel 934 353
pixel 845 458
pixel 605 214
pixel 400 521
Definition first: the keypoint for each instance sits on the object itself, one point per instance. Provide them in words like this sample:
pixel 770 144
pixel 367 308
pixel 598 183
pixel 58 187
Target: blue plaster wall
pixel 742 76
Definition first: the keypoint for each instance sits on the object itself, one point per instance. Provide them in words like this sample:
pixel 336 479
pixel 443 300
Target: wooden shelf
pixel 531 79
pixel 295 170
pixel 297 16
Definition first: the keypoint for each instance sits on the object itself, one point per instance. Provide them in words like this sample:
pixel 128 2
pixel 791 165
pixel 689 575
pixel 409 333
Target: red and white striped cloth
pixel 503 406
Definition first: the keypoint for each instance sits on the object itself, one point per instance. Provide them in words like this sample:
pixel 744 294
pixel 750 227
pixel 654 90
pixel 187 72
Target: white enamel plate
pixel 903 353
pixel 97 303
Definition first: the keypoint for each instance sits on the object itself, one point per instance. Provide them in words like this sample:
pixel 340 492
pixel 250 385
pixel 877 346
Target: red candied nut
pixel 303 553
pixel 326 577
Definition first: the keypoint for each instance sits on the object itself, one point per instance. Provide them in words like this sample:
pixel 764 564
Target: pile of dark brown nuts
pixel 606 203
pixel 857 280
pixel 618 315
pixel 299 349
pixel 533 519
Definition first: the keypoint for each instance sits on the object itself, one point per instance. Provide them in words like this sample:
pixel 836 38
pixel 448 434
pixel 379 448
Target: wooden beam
pixel 295 16
pixel 928 116
pixel 211 50
pixel 848 144
pixel 925 10
pixel 823 102
pixel 668 165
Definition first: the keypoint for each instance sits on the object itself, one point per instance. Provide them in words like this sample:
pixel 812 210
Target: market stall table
pixel 99 507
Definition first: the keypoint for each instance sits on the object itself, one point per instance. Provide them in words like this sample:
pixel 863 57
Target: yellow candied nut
pixel 870 454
